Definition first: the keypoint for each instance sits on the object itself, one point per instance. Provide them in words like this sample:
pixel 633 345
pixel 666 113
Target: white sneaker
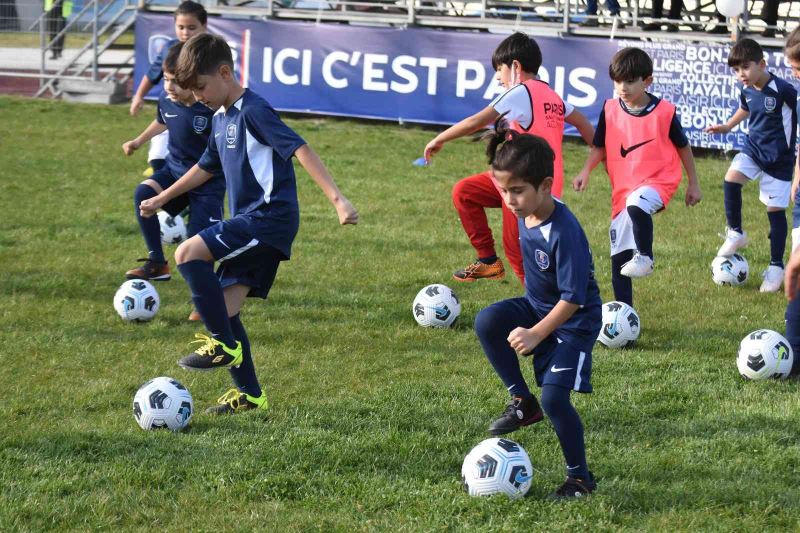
pixel 773 279
pixel 639 267
pixel 733 242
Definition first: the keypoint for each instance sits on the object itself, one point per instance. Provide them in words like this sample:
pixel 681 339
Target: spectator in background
pixel 57 13
pixel 591 12
pixel 675 9
pixel 769 14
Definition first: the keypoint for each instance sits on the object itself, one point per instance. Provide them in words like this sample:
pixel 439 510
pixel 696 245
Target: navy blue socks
pixel 733 204
pixel 778 230
pixel 149 226
pixel 244 376
pixel 642 230
pixel 568 427
pixel 208 299
pixel 623 285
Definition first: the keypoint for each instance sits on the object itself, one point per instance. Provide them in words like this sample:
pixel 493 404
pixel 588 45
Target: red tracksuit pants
pixel 471 196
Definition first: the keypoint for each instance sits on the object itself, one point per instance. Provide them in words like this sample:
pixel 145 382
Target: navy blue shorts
pixel 204 210
pixel 243 258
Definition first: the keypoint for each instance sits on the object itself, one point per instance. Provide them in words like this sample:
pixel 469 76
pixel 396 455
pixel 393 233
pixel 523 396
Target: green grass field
pixel 370 414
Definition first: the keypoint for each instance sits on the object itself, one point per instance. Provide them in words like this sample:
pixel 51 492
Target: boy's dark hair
pixel 792 47
pixel 201 55
pixel 519 47
pixel 171 59
pixel 630 64
pixel 187 7
pixel 745 51
pixel 526 157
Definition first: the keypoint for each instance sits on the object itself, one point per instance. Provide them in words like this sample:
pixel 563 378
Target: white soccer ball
pixel 173 230
pixel 436 306
pixel 731 270
pixel 163 403
pixel 764 354
pixel 497 466
pixel 730 8
pixel 137 300
pixel 621 325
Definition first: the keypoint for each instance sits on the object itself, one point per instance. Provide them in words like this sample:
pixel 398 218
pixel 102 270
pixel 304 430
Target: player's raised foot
pixel 574 488
pixel 211 354
pixel 519 412
pixel 234 401
pixel 773 279
pixel 733 242
pixel 194 316
pixel 479 270
pixel 639 267
pixel 150 270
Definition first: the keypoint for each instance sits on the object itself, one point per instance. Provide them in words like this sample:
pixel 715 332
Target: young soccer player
pixel 559 317
pixel 643 144
pixel 253 148
pixel 768 155
pixel 792 53
pixel 189 124
pixel 190 19
pixel 530 106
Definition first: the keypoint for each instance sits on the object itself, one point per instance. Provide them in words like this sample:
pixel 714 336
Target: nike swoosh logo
pixel 169 116
pixel 625 151
pixel 519 478
pixel 212 219
pixel 219 238
pixel 554 368
pixel 217 135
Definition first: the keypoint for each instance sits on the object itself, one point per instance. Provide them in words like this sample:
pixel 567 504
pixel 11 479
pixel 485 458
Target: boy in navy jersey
pixel 559 317
pixel 768 156
pixel 189 124
pixel 190 19
pixel 254 149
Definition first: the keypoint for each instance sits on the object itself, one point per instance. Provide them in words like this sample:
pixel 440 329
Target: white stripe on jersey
pixel 239 251
pixel 578 372
pixel 788 124
pixel 260 159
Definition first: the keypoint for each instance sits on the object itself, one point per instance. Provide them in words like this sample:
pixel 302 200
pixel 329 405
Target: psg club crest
pixel 155 45
pixel 230 134
pixel 770 103
pixel 613 235
pixel 542 260
pixel 199 123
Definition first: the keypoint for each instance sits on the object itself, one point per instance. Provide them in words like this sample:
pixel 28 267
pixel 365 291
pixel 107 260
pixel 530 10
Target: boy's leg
pixel 640 206
pixel 493 325
pixel 622 285
pixel 742 170
pixel 511 242
pixel 157 152
pixel 622 251
pixel 775 194
pixel 149 225
pixel 568 427
pixel 471 196
pixel 778 231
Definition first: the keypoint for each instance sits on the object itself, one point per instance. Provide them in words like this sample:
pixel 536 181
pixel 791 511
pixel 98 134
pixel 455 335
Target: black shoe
pixel 574 488
pixel 519 412
pixel 672 28
pixel 718 29
pixel 768 33
pixel 652 26
pixel 212 354
pixel 235 401
pixel 590 23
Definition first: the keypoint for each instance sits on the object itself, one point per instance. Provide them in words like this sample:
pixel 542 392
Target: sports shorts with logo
pixel 772 191
pixel 621 231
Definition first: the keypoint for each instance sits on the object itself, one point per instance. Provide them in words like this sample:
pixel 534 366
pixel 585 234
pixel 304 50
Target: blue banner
pixel 440 77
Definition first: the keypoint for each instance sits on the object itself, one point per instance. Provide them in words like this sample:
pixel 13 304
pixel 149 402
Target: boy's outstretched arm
pixel 693 193
pixel 193 178
pixel 596 156
pixel 525 340
pixel 152 129
pixel 582 124
pixel 467 126
pixel 737 117
pixel 310 161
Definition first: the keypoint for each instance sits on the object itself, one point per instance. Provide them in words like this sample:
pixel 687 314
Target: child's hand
pixel 136 105
pixel 790 279
pixel 693 195
pixel 718 128
pixel 431 149
pixel 130 147
pixel 347 213
pixel 581 181
pixel 524 340
pixel 149 207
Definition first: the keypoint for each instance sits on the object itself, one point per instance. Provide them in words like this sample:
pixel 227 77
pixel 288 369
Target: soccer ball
pixel 731 270
pixel 764 354
pixel 436 306
pixel 173 230
pixel 163 403
pixel 137 300
pixel 621 325
pixel 497 466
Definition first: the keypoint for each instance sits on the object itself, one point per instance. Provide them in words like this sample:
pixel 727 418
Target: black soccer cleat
pixel 574 488
pixel 212 354
pixel 519 412
pixel 234 401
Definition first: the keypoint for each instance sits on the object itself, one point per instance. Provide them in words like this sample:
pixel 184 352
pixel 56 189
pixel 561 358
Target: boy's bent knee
pixel 144 191
pixel 489 321
pixel 193 249
pixel 554 399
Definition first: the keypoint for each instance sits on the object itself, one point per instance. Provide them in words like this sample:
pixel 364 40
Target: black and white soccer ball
pixel 163 403
pixel 436 306
pixel 765 354
pixel 137 300
pixel 729 270
pixel 621 325
pixel 497 466
pixel 173 229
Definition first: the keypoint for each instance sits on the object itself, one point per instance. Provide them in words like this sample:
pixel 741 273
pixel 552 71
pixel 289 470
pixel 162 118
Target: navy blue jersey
pixel 558 266
pixel 771 127
pixel 676 134
pixel 189 128
pixel 254 148
pixel 156 70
